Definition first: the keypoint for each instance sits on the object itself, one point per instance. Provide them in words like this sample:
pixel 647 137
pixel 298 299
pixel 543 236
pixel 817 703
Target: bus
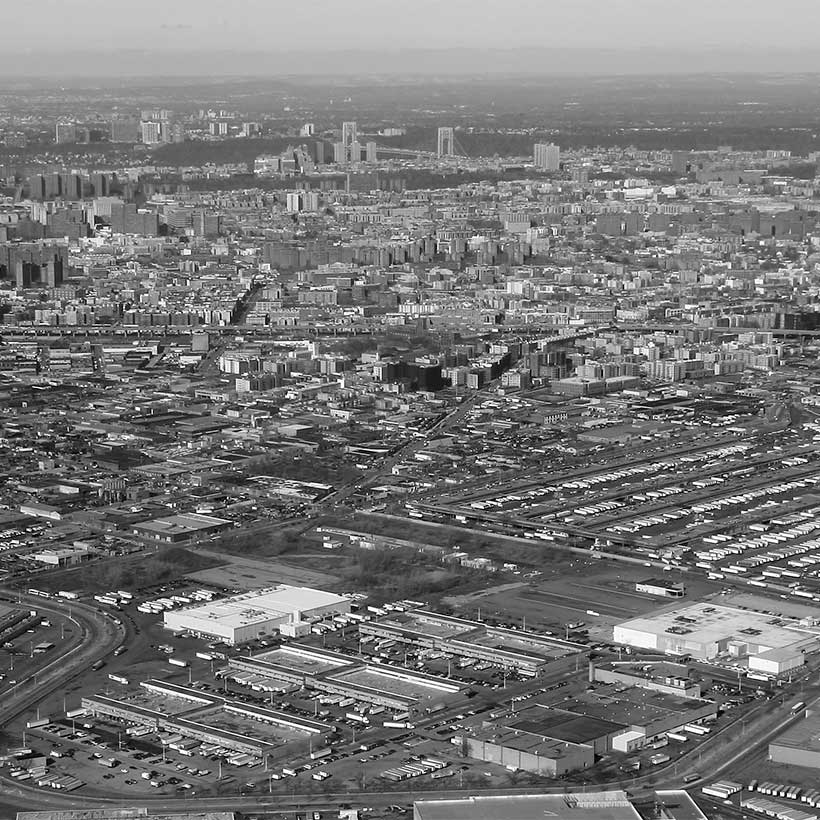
pixel 797 707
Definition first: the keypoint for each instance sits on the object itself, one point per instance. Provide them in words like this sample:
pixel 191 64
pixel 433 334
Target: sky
pixel 757 29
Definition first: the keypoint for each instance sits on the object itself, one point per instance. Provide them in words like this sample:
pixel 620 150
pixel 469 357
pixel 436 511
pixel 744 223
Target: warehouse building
pixel 553 737
pixel 64 556
pixel 14 622
pixel 335 674
pixel 252 615
pixel 526 652
pixel 661 587
pixel 799 745
pixel 610 805
pixel 660 676
pixel 766 643
pixel 169 707
pixel 528 752
pixel 176 529
pixel 124 814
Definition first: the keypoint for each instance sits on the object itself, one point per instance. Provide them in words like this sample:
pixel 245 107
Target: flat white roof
pixel 708 623
pixel 258 606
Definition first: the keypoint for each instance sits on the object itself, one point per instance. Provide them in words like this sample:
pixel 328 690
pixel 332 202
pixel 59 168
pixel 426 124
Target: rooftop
pixel 710 623
pixel 803 735
pixel 612 805
pixel 261 605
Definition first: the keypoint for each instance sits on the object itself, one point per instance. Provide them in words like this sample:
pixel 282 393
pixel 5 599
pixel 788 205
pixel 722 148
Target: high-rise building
pixel 547 156
pixel 65 133
pixel 446 142
pixel 151 133
pixel 71 186
pixel 37 186
pixel 294 203
pixel 307 130
pixel 101 183
pixel 53 185
pixel 340 153
pixel 370 151
pixel 680 162
pixel 166 131
pixel 350 133
pixel 125 129
pixel 34 264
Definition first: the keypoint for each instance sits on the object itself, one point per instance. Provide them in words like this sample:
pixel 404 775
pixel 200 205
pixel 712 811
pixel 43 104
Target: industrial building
pixel 295 665
pixel 559 736
pixel 661 587
pixel 14 622
pixel 610 805
pixel 175 529
pixel 660 676
pixel 252 615
pixel 67 556
pixel 770 644
pixel 799 745
pixel 97 813
pixel 163 706
pixel 529 752
pixel 526 652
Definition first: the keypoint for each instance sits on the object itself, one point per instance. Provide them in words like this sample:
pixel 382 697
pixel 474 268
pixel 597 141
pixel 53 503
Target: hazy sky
pixel 73 25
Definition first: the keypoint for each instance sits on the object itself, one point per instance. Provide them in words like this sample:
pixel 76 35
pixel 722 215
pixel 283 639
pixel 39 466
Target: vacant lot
pixel 130 573
pixel 235 572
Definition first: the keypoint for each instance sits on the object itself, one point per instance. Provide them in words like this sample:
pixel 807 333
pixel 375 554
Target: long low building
pixel 558 734
pixel 192 713
pixel 123 814
pixel 14 622
pixel 611 805
pixel 175 529
pixel 334 674
pixel 256 614
pixel 529 752
pixel 527 652
pixel 799 745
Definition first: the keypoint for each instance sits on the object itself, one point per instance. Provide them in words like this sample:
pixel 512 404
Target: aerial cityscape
pixel 384 444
